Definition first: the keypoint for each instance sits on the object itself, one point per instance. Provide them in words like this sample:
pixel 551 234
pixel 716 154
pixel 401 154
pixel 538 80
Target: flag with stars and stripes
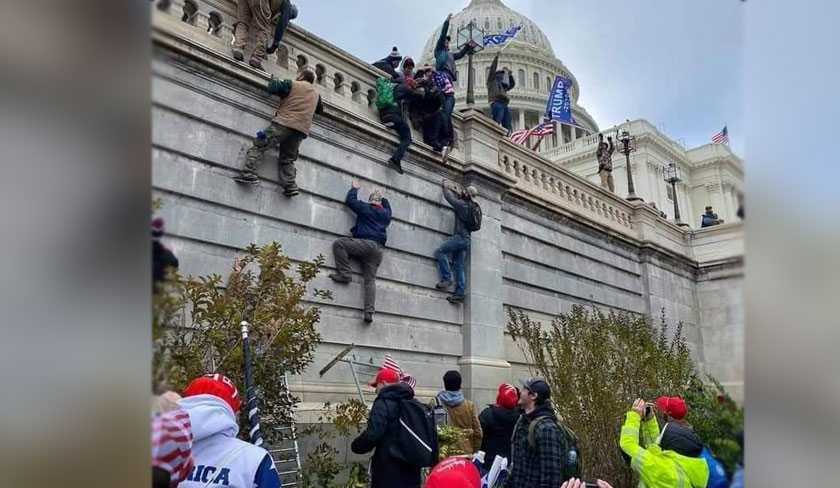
pixel 721 137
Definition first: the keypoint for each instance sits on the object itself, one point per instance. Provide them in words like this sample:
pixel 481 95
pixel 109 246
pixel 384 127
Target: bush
pixel 597 364
pixel 717 419
pixel 322 467
pixel 196 328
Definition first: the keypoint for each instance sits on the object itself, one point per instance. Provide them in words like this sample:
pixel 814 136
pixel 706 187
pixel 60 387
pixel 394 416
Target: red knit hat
pixel 454 472
pixel 507 397
pixel 217 385
pixel 674 407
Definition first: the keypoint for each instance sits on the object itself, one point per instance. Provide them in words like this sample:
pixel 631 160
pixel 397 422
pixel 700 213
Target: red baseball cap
pixel 672 406
pixel 508 397
pixel 385 375
pixel 217 385
pixel 454 472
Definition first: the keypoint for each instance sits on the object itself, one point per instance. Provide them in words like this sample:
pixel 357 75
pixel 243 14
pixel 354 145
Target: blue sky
pixel 678 64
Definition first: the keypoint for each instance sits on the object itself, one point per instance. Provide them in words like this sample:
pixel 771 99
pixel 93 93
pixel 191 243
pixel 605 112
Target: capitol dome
pixel 531 59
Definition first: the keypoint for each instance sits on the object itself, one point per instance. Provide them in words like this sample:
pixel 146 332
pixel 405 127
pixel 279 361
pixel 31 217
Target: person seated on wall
pixel 261 18
pixel 710 218
pixel 391 101
pixel 366 245
pixel 290 126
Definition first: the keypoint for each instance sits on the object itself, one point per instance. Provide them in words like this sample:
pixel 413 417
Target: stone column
pixel 521 118
pixel 483 364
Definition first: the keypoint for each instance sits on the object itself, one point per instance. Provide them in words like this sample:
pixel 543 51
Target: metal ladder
pixel 287 454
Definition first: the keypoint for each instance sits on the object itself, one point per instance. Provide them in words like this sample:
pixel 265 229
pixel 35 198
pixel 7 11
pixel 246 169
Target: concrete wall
pixel 549 239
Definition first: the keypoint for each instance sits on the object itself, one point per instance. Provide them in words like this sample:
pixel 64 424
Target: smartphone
pixel 589 484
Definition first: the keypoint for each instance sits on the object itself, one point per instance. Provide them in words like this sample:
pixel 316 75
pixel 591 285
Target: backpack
pixel 440 413
pixel 572 463
pixel 474 221
pixel 717 475
pixel 384 94
pixel 415 442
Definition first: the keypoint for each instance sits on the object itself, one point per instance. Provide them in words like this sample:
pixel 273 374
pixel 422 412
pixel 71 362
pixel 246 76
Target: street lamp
pixel 672 176
pixel 473 36
pixel 628 145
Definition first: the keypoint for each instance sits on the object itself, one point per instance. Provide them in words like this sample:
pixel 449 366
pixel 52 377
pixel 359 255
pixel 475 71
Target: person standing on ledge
pixel 290 126
pixel 605 166
pixel 369 238
pixel 445 65
pixel 262 18
pixel 467 220
pixel 498 85
pixel 710 218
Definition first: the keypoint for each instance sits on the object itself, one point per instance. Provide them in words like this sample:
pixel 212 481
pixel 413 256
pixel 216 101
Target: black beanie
pixel 452 380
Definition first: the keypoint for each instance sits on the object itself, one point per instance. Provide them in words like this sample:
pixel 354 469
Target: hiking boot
pixel 368 318
pixel 238 55
pixel 291 191
pixel 445 156
pixel 247 179
pixel 340 278
pixel 397 166
pixel 256 63
pixel 444 285
pixel 455 299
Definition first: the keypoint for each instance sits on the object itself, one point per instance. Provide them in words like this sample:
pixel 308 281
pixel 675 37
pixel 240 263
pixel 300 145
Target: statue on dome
pixel 262 19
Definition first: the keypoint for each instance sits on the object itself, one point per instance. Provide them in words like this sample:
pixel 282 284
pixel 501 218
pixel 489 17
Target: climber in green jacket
pixel 667 460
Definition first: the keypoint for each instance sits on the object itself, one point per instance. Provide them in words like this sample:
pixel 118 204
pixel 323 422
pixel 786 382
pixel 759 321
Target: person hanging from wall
pixel 391 97
pixel 260 18
pixel 163 260
pixel 455 249
pixel 390 63
pixel 499 82
pixel 290 126
pixel 605 166
pixel 366 245
pixel 426 111
pixel 445 65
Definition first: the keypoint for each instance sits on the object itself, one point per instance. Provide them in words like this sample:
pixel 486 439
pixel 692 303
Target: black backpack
pixel 572 464
pixel 415 442
pixel 474 220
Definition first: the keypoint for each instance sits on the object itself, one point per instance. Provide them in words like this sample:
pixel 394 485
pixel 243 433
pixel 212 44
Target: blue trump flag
pixel 559 106
pixel 499 39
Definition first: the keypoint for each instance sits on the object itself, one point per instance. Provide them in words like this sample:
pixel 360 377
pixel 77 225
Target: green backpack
pixel 384 94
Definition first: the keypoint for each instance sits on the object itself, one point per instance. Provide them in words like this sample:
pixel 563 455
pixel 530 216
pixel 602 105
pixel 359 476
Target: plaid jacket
pixel 541 467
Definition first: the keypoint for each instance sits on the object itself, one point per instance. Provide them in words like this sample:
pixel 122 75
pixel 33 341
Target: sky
pixel 677 63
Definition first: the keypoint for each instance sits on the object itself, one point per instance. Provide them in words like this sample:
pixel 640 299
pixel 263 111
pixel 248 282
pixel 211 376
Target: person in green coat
pixel 670 459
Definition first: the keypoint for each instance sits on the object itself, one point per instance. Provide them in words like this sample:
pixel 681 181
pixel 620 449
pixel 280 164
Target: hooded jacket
pixel 462 414
pixel 371 220
pixel 543 466
pixel 380 434
pixel 496 89
pixel 220 458
pixel 657 467
pixel 497 425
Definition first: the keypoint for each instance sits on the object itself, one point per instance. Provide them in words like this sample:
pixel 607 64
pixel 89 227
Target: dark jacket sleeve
pixel 280 87
pixel 387 206
pixel 374 432
pixel 461 207
pixel 491 79
pixel 550 451
pixel 442 39
pixel 463 52
pixel 267 476
pixel 512 82
pixel 353 202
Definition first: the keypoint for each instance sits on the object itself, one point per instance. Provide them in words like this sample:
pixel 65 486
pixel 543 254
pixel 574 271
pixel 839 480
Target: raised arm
pixel 444 31
pixel 280 87
pixel 353 202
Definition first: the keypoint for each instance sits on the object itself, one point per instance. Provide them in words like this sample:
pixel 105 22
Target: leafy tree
pixel 196 328
pixel 597 363
pixel 717 419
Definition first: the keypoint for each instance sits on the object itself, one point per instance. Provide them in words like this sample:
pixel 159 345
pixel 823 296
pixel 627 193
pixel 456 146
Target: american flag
pixel 389 363
pixel 172 440
pixel 721 137
pixel 521 136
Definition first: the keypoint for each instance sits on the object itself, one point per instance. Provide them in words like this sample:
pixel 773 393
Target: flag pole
pixel 251 401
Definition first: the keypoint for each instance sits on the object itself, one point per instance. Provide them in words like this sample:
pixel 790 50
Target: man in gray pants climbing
pixel 366 245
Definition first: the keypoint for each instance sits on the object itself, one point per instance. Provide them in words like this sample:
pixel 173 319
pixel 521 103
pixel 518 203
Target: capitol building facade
pixel 710 174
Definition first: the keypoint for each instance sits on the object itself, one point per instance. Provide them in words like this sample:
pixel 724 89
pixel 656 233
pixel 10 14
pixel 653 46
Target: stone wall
pixel 550 239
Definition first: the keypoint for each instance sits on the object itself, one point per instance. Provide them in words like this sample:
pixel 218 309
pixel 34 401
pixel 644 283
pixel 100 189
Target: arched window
pixel 499 24
pixel 548 84
pixel 536 81
pixel 520 78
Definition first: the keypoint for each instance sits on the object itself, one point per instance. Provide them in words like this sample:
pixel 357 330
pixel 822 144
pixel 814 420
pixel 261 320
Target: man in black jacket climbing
pixel 455 248
pixel 379 436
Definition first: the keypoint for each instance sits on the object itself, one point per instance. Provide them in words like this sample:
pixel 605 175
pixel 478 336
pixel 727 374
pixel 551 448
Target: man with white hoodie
pixel 221 459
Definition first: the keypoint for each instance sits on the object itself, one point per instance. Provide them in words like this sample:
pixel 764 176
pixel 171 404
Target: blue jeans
pixel 454 248
pixel 447 131
pixel 501 114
